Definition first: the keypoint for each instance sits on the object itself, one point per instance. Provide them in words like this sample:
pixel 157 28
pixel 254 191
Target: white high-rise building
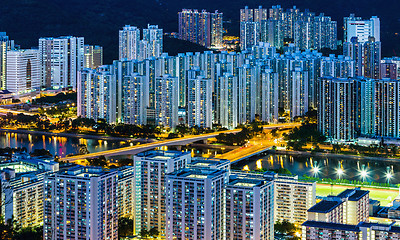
pixel 93 56
pixel 80 203
pixel 195 204
pixel 251 34
pixel 292 198
pixel 133 99
pixel 167 99
pixel 96 94
pixel 154 37
pixel 150 186
pixel 61 59
pixel 228 101
pixel 199 102
pixel 23 71
pixel 129 38
pixel 269 96
pixel 363 29
pixel 5 45
pixel 249 207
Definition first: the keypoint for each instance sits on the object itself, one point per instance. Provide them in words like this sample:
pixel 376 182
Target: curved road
pixel 169 142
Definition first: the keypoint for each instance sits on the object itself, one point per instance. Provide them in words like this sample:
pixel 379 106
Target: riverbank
pixel 332 155
pixel 76 135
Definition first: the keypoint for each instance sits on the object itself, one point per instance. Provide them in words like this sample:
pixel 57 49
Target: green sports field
pixel 385 196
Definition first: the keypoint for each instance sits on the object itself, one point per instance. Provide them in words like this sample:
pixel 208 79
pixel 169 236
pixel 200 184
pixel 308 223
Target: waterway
pixel 60 146
pixel 300 165
pixel 327 167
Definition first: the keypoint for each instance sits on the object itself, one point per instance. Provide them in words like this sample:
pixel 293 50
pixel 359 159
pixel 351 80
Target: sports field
pixel 385 196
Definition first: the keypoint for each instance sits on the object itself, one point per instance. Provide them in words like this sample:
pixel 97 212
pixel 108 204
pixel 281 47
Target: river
pixel 327 167
pixel 60 146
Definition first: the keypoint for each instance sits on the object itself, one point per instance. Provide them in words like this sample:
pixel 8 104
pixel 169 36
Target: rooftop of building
pixel 353 194
pixel 333 226
pixel 246 181
pixel 85 172
pixel 162 155
pixel 208 162
pixel 324 206
pixel 197 173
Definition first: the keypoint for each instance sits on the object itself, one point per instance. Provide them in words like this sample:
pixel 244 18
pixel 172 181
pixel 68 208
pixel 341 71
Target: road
pixel 5 111
pixel 169 142
pixel 254 147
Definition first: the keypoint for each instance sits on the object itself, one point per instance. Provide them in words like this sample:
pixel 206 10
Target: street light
pixel 315 171
pixel 339 172
pixel 388 174
pixel 363 174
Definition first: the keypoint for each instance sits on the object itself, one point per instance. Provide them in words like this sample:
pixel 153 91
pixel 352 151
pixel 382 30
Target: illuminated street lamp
pixel 339 172
pixel 363 173
pixel 389 174
pixel 315 170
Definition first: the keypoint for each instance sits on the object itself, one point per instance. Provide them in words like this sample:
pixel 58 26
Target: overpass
pixel 132 150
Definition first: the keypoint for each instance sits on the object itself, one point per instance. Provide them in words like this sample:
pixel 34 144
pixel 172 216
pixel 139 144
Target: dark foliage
pixel 125 227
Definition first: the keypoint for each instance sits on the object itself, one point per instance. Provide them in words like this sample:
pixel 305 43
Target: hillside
pixel 99 21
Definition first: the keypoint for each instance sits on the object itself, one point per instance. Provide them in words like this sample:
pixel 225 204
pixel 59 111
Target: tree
pixel 154 232
pixel 144 233
pixel 41 152
pixel 98 162
pixel 125 227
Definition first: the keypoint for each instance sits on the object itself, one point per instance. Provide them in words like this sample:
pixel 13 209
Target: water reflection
pixel 328 167
pixel 60 146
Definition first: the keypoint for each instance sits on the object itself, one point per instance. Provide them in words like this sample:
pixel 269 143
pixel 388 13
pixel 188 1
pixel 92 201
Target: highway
pixel 5 111
pixel 169 142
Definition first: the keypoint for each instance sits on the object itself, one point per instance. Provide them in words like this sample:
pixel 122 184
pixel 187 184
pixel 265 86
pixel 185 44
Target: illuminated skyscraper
pixel 129 38
pixel 154 37
pixel 195 203
pixel 93 56
pixel 362 29
pixel 96 92
pixel 23 71
pixel 80 203
pixel 167 99
pixel 203 28
pixel 217 30
pixel 61 59
pixel 151 168
pixel 372 58
pixel 5 45
pixel 199 109
pixel 249 207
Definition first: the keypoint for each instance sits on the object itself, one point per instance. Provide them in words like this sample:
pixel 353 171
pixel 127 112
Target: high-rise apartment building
pixel 203 28
pixel 23 71
pixel 151 187
pixel 166 104
pixel 93 56
pixel 292 198
pixel 195 204
pixel 129 38
pixel 336 115
pixel 80 203
pixel 5 45
pixel 61 59
pixel 154 37
pixel 199 106
pixel 134 99
pixel 96 94
pixel 362 29
pixel 249 207
pixel 372 58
